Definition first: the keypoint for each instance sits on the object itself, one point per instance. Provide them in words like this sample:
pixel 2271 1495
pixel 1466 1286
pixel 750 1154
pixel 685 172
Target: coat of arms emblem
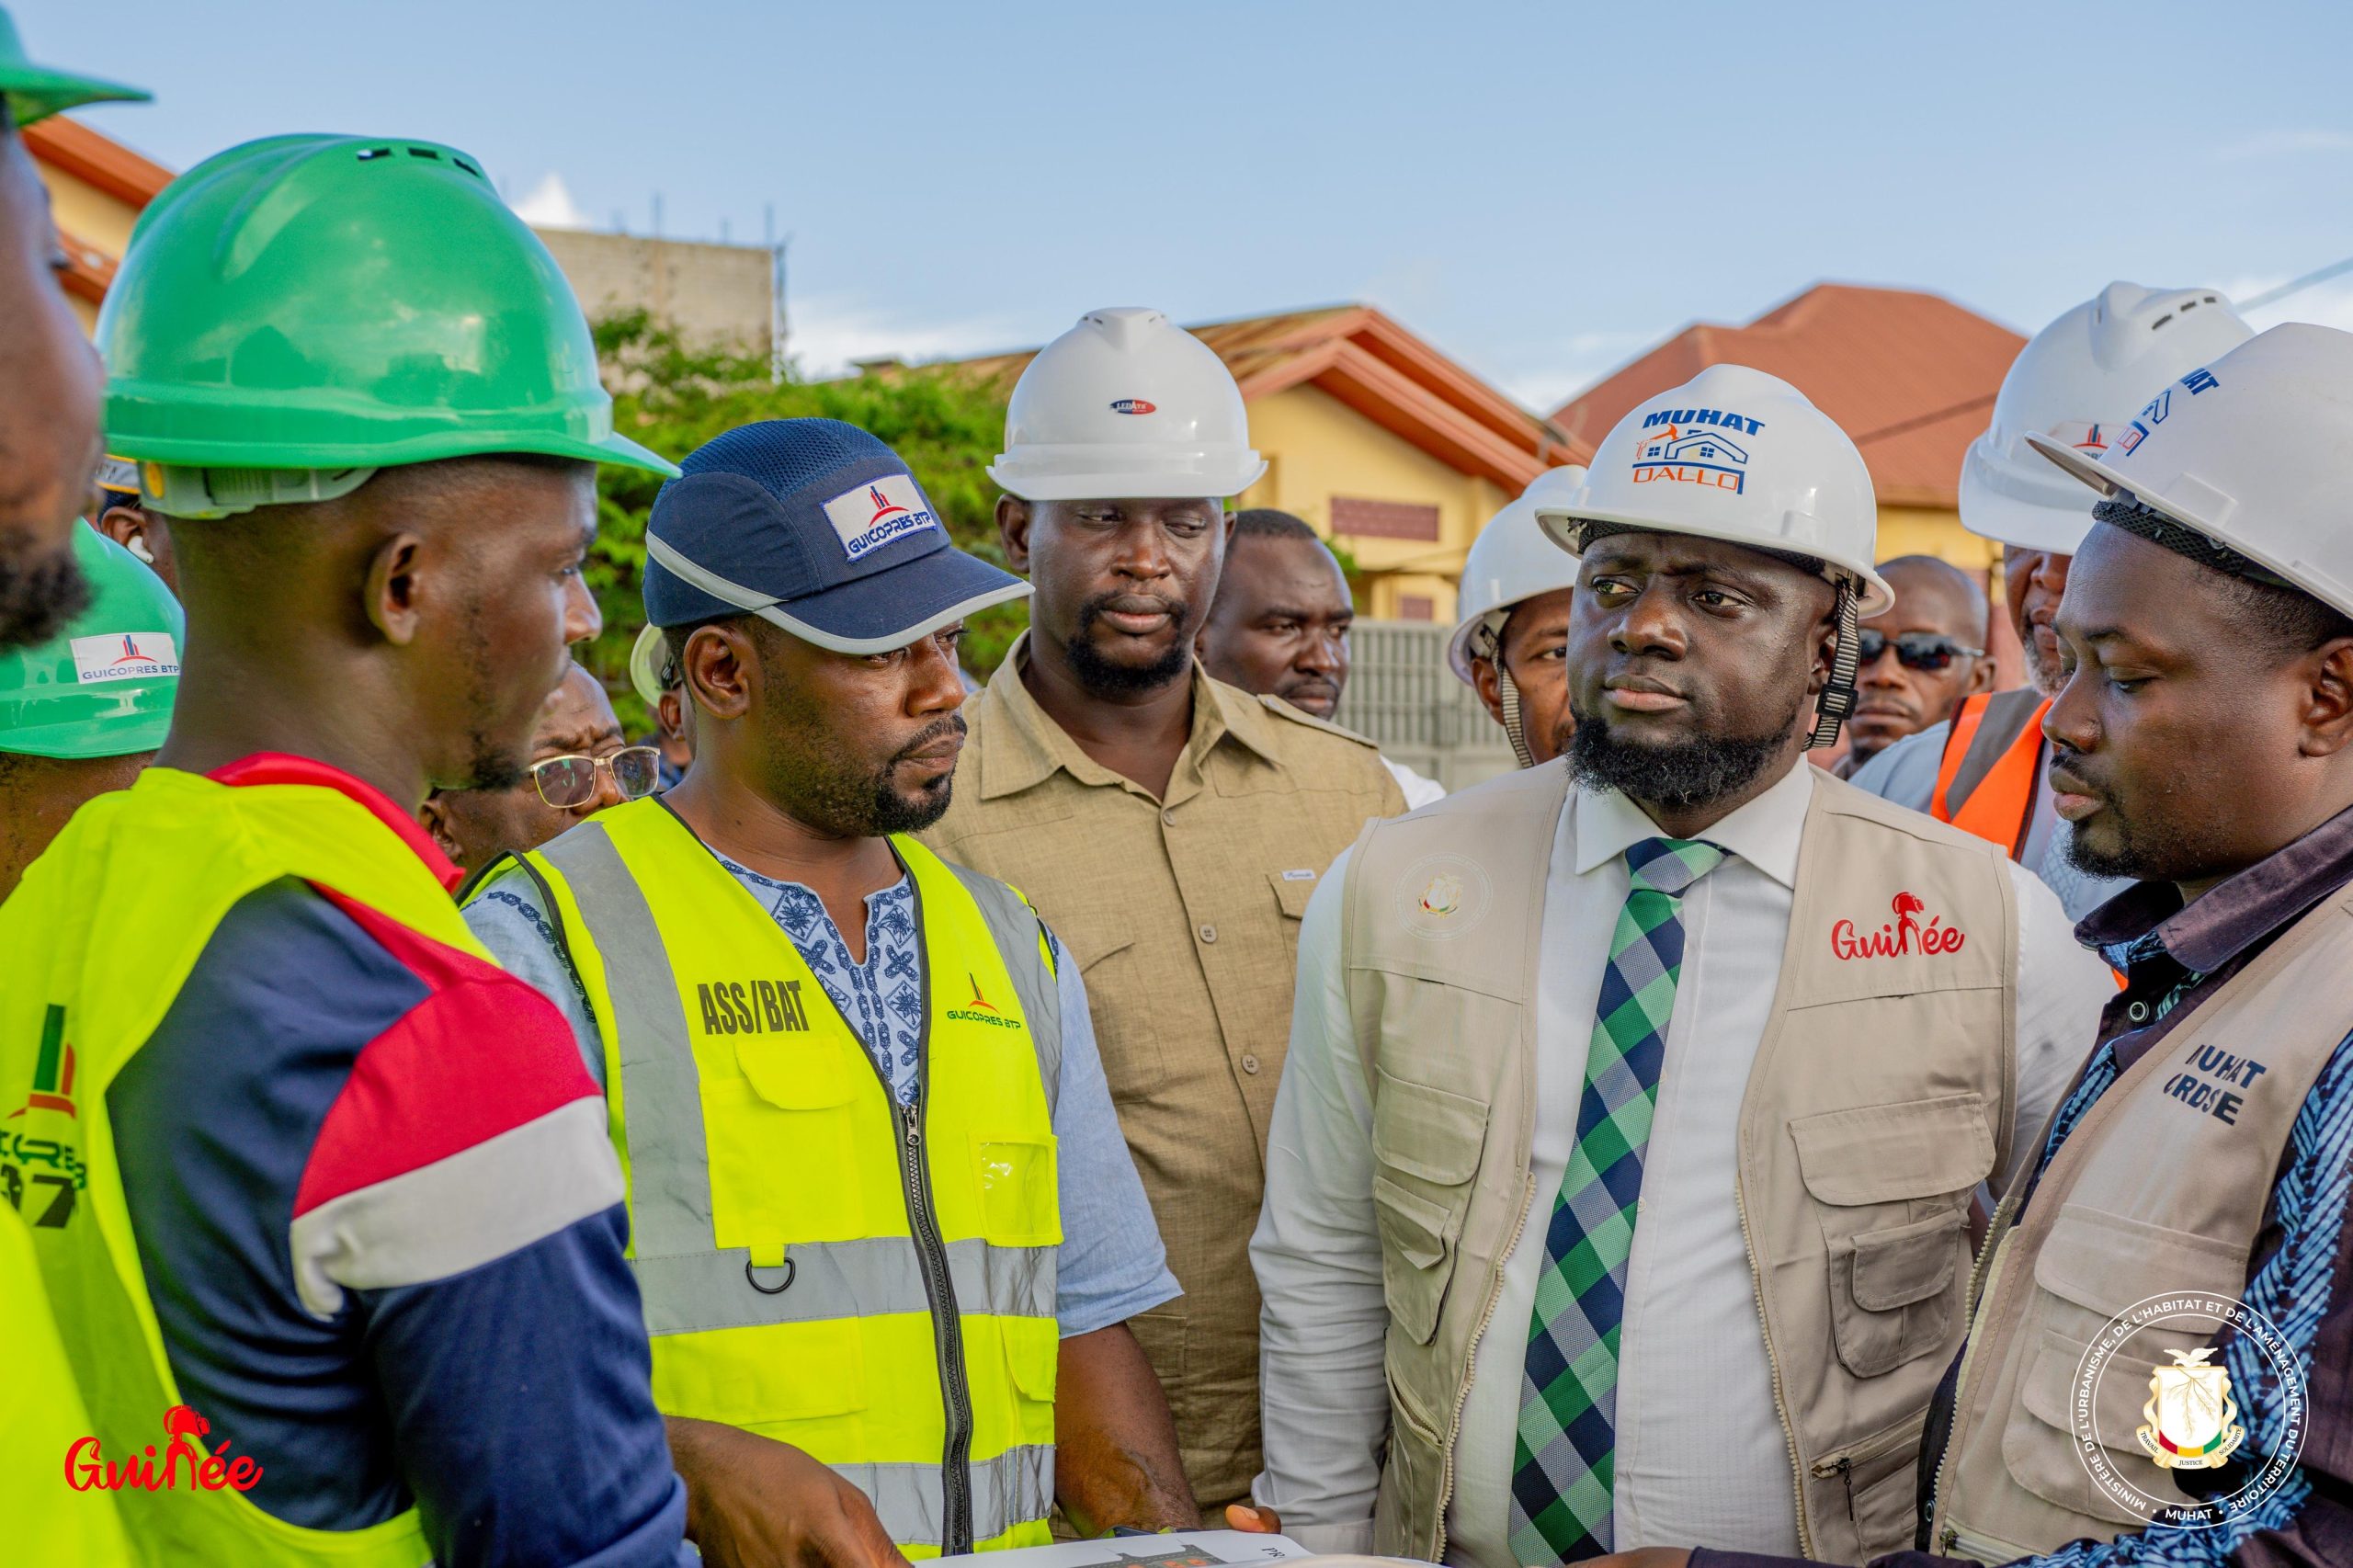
pixel 2192 1420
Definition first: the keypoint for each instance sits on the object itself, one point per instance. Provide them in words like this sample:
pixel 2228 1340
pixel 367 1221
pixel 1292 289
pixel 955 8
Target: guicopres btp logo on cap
pixel 816 526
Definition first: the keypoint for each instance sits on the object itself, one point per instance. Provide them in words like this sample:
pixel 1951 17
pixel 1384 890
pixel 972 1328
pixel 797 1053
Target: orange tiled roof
pixel 107 164
pixel 1910 376
pixel 1364 360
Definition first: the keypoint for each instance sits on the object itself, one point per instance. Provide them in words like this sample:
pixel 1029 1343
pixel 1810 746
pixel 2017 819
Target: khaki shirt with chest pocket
pixel 1183 915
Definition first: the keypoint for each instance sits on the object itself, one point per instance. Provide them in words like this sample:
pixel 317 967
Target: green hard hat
pixel 105 686
pixel 36 92
pixel 328 303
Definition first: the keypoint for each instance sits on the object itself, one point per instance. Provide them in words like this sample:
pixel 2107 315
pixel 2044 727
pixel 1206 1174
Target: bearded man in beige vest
pixel 1619 1180
pixel 2157 1371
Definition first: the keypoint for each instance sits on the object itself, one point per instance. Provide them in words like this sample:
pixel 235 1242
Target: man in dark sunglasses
pixel 580 764
pixel 1920 659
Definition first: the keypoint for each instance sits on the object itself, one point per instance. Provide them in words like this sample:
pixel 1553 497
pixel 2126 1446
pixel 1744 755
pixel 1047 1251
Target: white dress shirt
pixel 1418 791
pixel 1699 1455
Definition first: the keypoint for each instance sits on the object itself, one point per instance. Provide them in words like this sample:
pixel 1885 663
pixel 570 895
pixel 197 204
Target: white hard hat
pixel 647 656
pixel 2078 382
pixel 1510 562
pixel 2254 452
pixel 1126 404
pixel 1737 455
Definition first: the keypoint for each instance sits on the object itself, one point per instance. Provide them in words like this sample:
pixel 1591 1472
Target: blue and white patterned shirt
pixel 1111 1265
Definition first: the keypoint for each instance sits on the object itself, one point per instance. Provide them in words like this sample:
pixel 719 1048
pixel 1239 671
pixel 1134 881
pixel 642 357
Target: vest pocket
pixel 1889 1184
pixel 756 1377
pixel 1426 1144
pixel 1015 1178
pixel 2091 1268
pixel 797 1098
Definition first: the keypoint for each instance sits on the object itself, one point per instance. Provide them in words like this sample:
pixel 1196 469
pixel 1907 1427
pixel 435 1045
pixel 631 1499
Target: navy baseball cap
pixel 816 526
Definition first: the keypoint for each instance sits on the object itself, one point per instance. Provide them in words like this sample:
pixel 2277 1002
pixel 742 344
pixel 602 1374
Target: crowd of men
pixel 878 1118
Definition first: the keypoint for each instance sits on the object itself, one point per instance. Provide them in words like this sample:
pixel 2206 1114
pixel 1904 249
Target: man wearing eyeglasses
pixel 580 764
pixel 1917 661
pixel 879 1206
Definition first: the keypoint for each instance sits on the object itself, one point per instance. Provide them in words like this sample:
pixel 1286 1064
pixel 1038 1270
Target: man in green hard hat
pixel 333 1190
pixel 49 423
pixel 83 713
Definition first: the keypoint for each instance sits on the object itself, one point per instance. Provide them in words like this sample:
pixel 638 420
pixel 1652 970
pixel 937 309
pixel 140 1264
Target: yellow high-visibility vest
pixel 871 1282
pixel 101 936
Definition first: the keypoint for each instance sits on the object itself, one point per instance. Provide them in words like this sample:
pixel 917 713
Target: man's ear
pixel 2328 701
pixel 127 526
pixel 393 591
pixel 436 817
pixel 1490 690
pixel 1013 515
pixel 1982 678
pixel 722 670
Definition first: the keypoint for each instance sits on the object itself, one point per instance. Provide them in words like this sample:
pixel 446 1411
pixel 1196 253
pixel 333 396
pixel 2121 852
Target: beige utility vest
pixel 1881 1095
pixel 2159 1190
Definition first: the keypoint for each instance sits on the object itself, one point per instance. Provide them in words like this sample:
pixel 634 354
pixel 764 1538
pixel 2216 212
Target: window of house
pixel 1383 519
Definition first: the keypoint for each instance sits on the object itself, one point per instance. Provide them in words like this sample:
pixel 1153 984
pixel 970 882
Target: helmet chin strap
pixel 1837 698
pixel 1487 642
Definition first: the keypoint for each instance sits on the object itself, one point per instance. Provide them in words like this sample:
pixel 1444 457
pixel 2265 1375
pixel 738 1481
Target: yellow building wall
pixel 1317 447
pixel 87 213
pixel 1913 531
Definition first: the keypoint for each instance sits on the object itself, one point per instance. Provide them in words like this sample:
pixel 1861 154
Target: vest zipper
pixel 1981 1278
pixel 932 1254
pixel 947 1327
pixel 1842 1464
pixel 1471 1365
pixel 1780 1399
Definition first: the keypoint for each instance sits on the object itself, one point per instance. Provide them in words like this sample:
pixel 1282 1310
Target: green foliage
pixel 674 398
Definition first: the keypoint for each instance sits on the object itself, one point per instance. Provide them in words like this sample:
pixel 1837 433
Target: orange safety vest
pixel 1998 804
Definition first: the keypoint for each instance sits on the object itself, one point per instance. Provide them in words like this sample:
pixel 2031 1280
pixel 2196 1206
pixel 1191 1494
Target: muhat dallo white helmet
pixel 1737 455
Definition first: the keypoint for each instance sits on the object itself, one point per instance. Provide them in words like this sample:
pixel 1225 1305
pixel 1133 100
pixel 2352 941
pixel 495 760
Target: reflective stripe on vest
pixel 164 862
pixel 816 1264
pixel 1997 805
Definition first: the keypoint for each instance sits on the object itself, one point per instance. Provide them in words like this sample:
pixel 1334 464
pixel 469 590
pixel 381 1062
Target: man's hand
pixel 1252 1520
pixel 756 1503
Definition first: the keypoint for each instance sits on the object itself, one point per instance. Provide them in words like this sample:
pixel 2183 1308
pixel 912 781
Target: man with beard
pixel 299 1155
pixel 2187 1218
pixel 49 377
pixel 2079 380
pixel 879 1204
pixel 1279 624
pixel 1170 826
pixel 1685 977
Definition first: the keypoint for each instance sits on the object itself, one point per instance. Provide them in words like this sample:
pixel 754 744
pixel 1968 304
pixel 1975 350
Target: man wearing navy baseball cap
pixel 878 1201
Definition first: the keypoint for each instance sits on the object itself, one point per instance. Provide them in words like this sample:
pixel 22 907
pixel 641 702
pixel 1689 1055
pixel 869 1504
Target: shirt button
pixel 1209 933
pixel 2138 1012
pixel 1168 819
pixel 1250 1065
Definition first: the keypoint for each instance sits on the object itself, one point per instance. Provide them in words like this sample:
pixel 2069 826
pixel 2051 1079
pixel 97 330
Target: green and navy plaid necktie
pixel 1563 1461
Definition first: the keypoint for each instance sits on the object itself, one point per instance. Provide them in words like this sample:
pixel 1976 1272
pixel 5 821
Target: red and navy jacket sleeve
pixel 381 1225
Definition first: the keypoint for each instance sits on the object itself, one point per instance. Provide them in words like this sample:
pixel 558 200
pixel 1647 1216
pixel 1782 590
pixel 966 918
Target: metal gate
pixel 1402 696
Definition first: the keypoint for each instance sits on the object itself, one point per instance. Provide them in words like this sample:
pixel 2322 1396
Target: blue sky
pixel 1541 190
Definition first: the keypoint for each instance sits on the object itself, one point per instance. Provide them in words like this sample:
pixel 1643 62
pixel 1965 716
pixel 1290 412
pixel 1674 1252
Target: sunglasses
pixel 1925 651
pixel 568 783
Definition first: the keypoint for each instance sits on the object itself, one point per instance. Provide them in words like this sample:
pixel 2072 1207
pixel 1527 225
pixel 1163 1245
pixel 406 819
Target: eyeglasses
pixel 568 783
pixel 1924 651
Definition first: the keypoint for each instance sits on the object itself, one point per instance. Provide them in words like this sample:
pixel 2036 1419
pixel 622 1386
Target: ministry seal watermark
pixel 2190 1415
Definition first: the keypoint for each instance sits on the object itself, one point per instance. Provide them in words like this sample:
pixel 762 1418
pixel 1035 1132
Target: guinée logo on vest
pixel 88 1470
pixel 1901 937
